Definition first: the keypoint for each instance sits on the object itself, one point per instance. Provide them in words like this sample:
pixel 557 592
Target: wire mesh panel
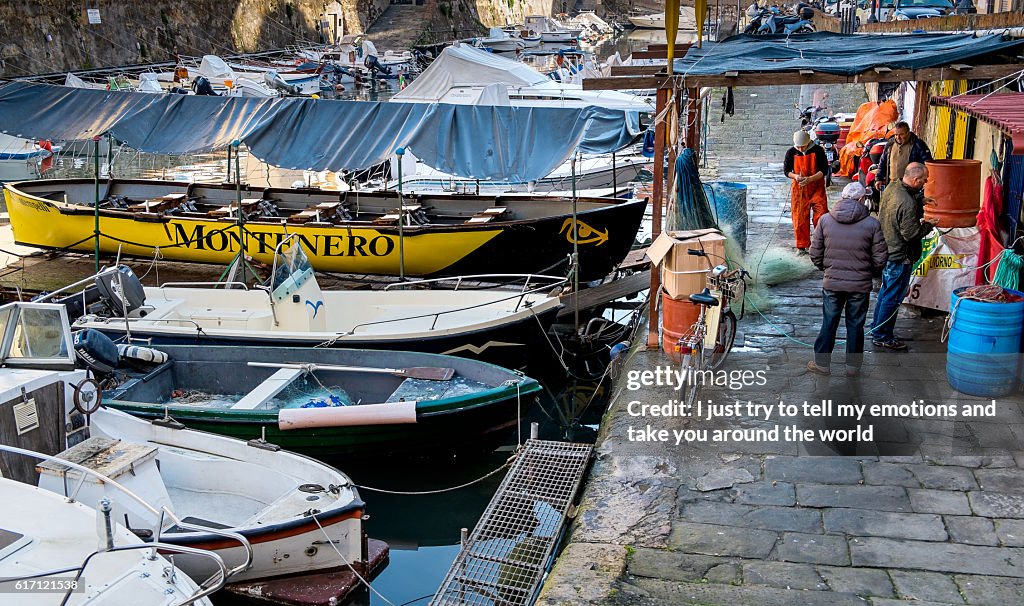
pixel 503 562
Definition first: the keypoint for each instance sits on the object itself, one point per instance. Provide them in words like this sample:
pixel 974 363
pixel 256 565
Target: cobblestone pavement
pixel 929 512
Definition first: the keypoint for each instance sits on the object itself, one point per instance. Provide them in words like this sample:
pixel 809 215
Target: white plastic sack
pixel 950 264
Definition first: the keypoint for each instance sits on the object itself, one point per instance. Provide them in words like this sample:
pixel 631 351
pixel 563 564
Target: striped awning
pixel 1004 111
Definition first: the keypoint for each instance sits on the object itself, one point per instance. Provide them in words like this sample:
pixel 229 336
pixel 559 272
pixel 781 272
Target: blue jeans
pixel 834 303
pixel 895 280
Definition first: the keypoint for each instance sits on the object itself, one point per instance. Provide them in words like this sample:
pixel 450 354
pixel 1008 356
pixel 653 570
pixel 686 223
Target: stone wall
pixel 54 35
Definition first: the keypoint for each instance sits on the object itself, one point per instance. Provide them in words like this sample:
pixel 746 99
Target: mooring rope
pixel 440 490
pixel 330 542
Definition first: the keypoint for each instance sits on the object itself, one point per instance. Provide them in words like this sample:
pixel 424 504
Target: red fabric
pixel 989 245
pixel 807 199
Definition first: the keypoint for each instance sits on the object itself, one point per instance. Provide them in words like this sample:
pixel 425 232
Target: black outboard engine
pixel 95 350
pixel 120 290
pixel 376 66
pixel 201 86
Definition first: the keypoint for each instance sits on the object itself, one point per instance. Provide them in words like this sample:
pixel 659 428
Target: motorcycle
pixel 771 21
pixel 867 171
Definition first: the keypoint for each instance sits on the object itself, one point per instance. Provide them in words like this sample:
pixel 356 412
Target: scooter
pixel 771 21
pixel 867 171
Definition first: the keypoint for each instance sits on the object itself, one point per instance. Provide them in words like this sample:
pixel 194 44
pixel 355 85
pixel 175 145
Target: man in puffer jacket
pixel 849 246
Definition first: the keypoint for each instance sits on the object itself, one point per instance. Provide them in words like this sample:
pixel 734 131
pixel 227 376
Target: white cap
pixel 801 138
pixel 854 191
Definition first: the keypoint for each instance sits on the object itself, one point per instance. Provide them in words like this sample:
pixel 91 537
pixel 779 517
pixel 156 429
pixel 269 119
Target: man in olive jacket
pixel 901 213
pixel 848 245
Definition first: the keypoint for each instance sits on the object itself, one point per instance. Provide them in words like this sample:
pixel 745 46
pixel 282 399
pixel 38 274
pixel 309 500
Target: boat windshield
pixel 292 270
pixel 35 334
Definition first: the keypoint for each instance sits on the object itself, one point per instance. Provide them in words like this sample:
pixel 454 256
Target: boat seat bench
pixel 269 388
pixel 112 458
pixel 486 216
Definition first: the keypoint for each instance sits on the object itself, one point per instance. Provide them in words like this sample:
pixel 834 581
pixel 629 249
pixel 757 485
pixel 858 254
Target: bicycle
pixel 714 318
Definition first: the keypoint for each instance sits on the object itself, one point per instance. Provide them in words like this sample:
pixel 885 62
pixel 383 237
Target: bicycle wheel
pixel 723 344
pixel 693 361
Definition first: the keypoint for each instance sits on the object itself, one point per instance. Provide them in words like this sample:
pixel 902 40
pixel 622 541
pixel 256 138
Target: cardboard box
pixel 683 274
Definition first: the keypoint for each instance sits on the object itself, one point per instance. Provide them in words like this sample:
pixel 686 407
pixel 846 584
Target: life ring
pixel 87 396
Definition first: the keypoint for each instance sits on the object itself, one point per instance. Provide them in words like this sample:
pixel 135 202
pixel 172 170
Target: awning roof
pixel 841 54
pixel 1005 112
pixel 483 142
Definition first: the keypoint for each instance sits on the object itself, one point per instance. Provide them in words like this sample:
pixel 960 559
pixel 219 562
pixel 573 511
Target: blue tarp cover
pixel 842 54
pixel 483 142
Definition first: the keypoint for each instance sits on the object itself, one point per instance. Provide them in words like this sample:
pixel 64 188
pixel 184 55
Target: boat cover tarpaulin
pixel 464 68
pixel 842 54
pixel 483 142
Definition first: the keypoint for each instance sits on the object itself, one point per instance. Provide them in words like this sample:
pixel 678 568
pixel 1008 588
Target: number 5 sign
pixel 950 260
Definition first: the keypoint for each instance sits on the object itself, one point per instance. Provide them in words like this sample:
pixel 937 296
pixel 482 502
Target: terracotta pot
pixel 955 185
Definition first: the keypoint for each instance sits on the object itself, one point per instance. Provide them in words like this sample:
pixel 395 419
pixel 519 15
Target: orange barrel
pixel 955 185
pixel 677 316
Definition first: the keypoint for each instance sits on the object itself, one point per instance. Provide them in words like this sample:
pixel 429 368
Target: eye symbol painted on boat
pixel 582 233
pixel 316 306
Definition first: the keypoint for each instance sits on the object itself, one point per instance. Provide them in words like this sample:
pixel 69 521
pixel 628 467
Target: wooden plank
pixel 948 23
pixel 664 47
pixel 637 70
pixel 660 51
pixel 979 72
pixel 625 83
pixel 603 294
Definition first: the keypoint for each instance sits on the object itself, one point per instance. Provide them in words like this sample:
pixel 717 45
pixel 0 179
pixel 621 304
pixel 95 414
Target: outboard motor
pixel 95 350
pixel 371 62
pixel 274 80
pixel 120 290
pixel 201 86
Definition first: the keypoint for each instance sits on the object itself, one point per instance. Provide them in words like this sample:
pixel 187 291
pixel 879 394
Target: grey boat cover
pixel 484 142
pixel 842 54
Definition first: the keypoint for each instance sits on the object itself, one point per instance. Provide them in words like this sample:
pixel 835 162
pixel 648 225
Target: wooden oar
pixel 416 372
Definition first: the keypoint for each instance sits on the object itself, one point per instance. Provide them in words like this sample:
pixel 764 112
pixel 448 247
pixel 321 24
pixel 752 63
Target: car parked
pixel 907 10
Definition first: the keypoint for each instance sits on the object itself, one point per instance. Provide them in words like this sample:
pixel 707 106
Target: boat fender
pixel 347 416
pixel 87 396
pixel 95 350
pixel 141 354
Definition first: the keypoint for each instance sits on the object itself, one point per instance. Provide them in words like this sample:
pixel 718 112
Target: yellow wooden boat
pixel 348 232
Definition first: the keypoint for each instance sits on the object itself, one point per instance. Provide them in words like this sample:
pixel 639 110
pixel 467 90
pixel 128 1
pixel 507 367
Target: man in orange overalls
pixel 806 165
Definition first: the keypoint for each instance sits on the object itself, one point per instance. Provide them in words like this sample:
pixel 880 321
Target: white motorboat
pixel 265 512
pixel 500 326
pixel 17 148
pixel 52 547
pixel 550 30
pixel 501 41
pixel 592 173
pixel 687 20
pixel 465 75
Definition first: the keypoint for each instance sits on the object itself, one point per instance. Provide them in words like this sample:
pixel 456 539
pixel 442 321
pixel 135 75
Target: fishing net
pixel 690 209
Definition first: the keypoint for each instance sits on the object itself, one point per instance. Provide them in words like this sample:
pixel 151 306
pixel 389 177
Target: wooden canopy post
pixel 922 95
pixel 657 187
pixel 693 120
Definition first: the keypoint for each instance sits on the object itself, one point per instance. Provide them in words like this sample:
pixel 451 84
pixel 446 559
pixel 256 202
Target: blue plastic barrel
pixel 729 202
pixel 983 352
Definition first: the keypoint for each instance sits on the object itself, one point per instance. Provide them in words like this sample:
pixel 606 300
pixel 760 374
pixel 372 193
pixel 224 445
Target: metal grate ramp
pixel 504 559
